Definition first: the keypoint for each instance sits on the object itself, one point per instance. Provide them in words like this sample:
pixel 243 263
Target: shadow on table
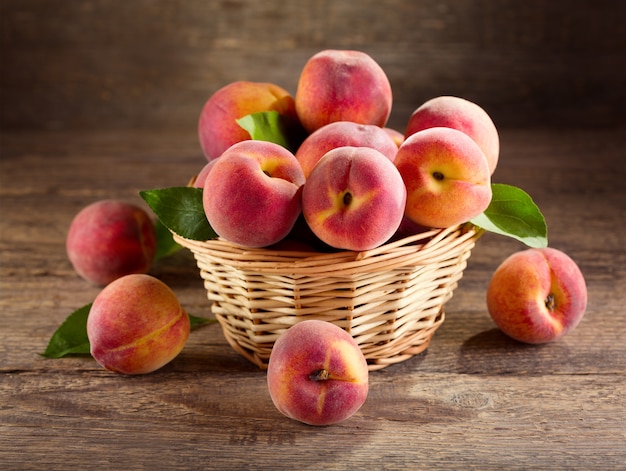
pixel 493 352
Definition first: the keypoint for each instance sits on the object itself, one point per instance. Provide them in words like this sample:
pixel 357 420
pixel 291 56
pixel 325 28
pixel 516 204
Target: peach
pixel 109 239
pixel 395 135
pixel 537 295
pixel 340 134
pixel 446 176
pixel 136 325
pixel 317 373
pixel 218 128
pixel 463 115
pixel 202 174
pixel 354 198
pixel 342 85
pixel 252 195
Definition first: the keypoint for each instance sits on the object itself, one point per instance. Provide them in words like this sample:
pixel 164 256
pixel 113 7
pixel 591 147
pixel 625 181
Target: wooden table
pixel 474 400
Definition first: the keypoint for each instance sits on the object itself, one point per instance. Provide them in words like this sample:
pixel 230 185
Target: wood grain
pixel 474 400
pixel 152 64
pixel 100 99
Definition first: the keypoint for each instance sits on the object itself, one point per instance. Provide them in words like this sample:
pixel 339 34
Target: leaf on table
pixel 180 209
pixel 513 213
pixel 71 337
pixel 273 127
pixel 200 321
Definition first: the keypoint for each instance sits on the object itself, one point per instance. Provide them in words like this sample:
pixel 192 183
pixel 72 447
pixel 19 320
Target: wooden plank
pixel 94 65
pixel 434 420
pixel 474 400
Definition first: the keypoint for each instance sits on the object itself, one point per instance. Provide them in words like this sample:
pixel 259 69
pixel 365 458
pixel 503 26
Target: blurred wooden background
pixel 100 99
pixel 151 64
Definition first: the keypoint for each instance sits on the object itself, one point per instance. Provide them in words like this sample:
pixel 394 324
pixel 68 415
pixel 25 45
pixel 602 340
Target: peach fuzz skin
pixel 109 239
pixel 317 374
pixel 395 135
pixel 217 126
pixel 462 115
pixel 252 195
pixel 354 199
pixel 136 325
pixel 537 295
pixel 342 85
pixel 340 134
pixel 200 178
pixel 446 176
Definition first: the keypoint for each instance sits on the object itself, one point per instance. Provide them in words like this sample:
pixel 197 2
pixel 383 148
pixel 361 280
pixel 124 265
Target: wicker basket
pixel 389 299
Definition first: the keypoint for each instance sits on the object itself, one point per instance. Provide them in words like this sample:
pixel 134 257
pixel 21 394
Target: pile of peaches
pixel 354 181
pixel 347 181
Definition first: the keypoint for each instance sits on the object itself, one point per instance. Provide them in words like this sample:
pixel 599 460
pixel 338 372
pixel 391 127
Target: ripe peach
pixel 136 325
pixel 537 295
pixel 340 134
pixel 446 176
pixel 317 373
pixel 202 174
pixel 252 195
pixel 217 126
pixel 463 115
pixel 337 85
pixel 109 239
pixel 354 198
pixel 395 135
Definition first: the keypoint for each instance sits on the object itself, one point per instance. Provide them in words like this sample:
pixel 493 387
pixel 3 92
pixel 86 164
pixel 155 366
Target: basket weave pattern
pixel 390 299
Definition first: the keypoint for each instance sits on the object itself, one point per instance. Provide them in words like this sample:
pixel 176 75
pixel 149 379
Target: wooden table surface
pixel 474 400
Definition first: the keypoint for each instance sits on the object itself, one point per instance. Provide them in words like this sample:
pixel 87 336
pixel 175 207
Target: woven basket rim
pixel 419 249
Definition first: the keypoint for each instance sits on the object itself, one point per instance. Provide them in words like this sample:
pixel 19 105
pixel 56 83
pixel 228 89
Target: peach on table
pixel 317 373
pixel 136 325
pixel 110 238
pixel 537 295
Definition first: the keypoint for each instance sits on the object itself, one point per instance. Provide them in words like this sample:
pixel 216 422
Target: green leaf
pixel 200 321
pixel 71 337
pixel 180 210
pixel 273 127
pixel 166 245
pixel 513 213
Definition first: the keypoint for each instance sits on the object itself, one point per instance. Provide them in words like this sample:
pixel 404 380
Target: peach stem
pixel 319 375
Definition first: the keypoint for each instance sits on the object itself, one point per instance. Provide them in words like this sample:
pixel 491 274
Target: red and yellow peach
pixel 342 85
pixel 218 128
pixel 340 134
pixel 395 135
pixel 354 198
pixel 317 373
pixel 537 295
pixel 252 195
pixel 446 176
pixel 136 325
pixel 462 115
